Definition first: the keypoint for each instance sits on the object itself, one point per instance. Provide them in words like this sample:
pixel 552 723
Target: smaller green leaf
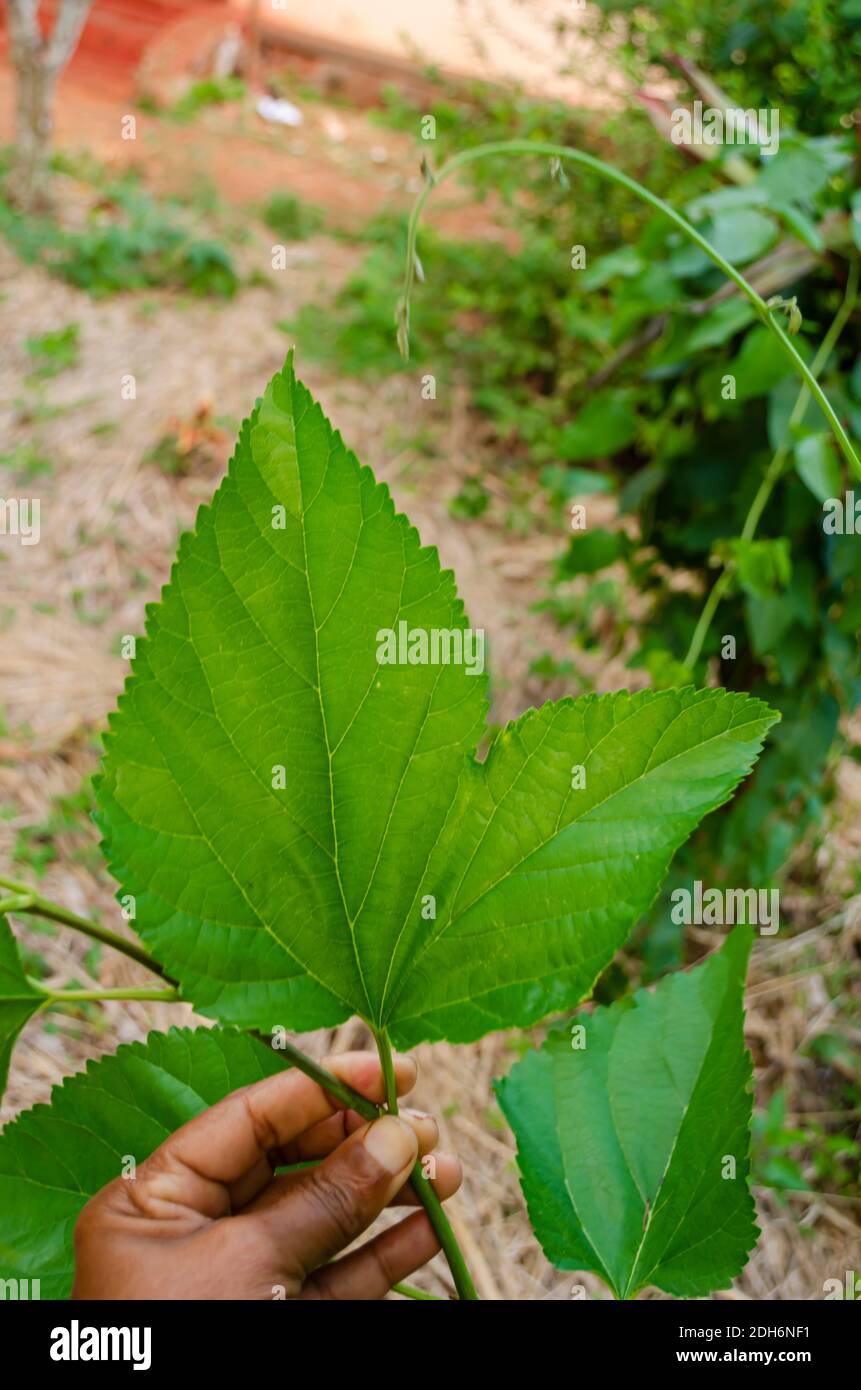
pixel 801 226
pixel 855 217
pixel 759 364
pixel 762 567
pixel 818 466
pixel 625 262
pixel 722 323
pixel 742 235
pixel 591 551
pixel 633 1134
pixel 665 669
pixel 796 174
pixel 18 1000
pixel 607 424
pixel 565 483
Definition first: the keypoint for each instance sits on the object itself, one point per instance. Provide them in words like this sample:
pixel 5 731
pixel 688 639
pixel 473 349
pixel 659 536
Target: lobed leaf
pixel 633 1149
pixel 386 872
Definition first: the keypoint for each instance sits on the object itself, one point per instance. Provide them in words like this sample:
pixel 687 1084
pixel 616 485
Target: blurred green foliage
pixel 54 351
pixel 210 91
pixel 810 1154
pixel 291 218
pixel 801 56
pixel 130 241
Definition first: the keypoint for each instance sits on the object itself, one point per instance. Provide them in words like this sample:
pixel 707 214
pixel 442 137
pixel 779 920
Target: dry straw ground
pixel 110 522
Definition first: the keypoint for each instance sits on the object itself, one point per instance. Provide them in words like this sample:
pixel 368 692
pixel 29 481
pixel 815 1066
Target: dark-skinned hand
pixel 207 1217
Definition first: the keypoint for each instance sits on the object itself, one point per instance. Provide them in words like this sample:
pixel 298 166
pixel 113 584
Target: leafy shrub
pixel 290 218
pixel 210 91
pixel 131 242
pixel 801 56
pixel 54 351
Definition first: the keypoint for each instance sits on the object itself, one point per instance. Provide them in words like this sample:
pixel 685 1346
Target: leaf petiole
pixel 410 1291
pixel 86 996
pixel 423 1188
pixel 27 901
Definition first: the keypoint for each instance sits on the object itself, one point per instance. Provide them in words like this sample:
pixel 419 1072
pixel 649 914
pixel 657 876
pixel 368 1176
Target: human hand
pixel 206 1217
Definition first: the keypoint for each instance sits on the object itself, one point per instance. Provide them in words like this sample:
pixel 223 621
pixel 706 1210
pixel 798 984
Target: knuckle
pixel 261 1124
pixel 338 1202
pixel 383 1263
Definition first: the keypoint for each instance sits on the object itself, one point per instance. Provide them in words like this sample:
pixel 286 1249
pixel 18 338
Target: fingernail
pixel 415 1114
pixel 392 1143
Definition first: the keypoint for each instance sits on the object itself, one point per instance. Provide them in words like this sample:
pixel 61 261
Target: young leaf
pixel 54 1157
pixel 818 465
pixel 305 829
pixel 18 1000
pixel 633 1147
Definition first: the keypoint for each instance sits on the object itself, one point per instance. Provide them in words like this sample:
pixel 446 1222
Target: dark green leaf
pixel 633 1137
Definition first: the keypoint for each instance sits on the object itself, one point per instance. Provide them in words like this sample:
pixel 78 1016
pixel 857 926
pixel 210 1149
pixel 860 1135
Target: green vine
pixel 764 311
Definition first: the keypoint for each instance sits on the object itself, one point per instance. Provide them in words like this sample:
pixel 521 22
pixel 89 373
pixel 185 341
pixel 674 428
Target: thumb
pixel 315 1218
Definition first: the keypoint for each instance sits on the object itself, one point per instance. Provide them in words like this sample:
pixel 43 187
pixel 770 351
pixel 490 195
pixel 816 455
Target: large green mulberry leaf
pixel 633 1145
pixel 18 1000
pixel 387 873
pixel 270 904
pixel 54 1157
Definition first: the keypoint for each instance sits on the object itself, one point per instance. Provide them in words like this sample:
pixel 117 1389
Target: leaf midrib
pixel 294 423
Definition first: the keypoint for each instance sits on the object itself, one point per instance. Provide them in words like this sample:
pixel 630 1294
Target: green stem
pixel 410 1291
pixel 353 1100
pixel 777 466
pixel 21 902
pixel 704 621
pixel 31 902
pixel 423 1188
pixel 387 1063
pixel 607 171
pixel 81 996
